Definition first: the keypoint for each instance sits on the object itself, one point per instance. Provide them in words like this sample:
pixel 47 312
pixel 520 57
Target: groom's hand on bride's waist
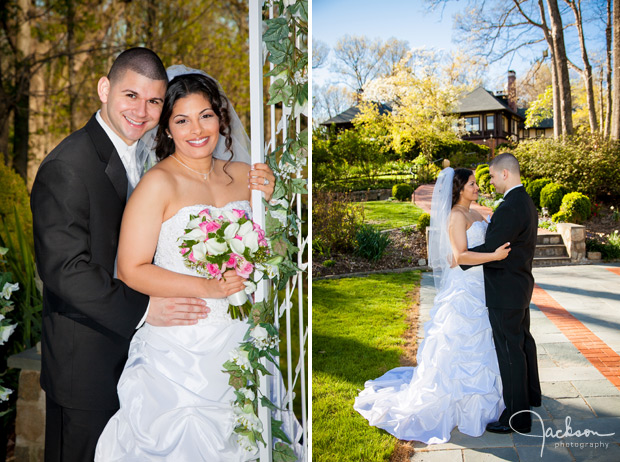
pixel 165 312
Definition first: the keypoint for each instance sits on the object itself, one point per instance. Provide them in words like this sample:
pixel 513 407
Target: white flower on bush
pixel 249 394
pixel 8 289
pixel 4 393
pixel 262 339
pixel 240 358
pixel 247 444
pixel 245 417
pixel 5 332
pixel 280 214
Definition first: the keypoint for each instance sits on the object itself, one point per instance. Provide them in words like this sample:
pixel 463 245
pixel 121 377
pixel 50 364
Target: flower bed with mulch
pixel 405 251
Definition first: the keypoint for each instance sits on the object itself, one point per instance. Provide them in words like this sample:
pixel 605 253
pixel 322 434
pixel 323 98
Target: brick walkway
pixel 575 320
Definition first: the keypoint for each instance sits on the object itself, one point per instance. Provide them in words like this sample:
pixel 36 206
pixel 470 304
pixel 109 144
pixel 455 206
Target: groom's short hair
pixel 140 60
pixel 506 161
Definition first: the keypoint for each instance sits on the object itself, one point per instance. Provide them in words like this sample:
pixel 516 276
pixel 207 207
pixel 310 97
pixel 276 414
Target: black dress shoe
pixel 498 427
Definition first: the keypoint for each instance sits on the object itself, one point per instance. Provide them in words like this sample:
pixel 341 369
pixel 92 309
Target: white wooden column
pixel 258 155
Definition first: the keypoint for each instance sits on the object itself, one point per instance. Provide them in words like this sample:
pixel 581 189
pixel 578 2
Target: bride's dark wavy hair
pixel 181 87
pixel 461 176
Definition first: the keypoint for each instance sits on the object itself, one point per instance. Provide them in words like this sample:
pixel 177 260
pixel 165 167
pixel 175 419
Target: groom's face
pixel 498 179
pixel 131 104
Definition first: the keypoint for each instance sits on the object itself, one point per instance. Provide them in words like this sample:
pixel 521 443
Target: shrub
pixel 551 197
pixel 14 196
pixel 371 243
pixel 424 222
pixel 329 263
pixel 335 220
pixel 484 183
pixel 583 162
pixel 609 250
pixel 481 166
pixel 535 187
pixel 560 217
pixel 576 206
pixel 481 171
pixel 402 191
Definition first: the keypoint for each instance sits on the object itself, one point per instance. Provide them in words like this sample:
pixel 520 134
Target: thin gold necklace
pixel 204 175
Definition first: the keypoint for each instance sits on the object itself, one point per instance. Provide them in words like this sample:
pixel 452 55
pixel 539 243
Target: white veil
pixel 440 255
pixel 240 141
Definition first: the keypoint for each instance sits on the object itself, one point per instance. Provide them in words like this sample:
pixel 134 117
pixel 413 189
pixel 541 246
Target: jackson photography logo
pixel 561 434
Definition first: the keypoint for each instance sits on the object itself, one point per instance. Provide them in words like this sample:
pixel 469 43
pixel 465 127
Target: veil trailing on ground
pixel 240 141
pixel 440 255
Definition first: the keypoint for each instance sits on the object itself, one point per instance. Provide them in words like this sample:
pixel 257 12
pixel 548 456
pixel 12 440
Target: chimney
pixel 512 90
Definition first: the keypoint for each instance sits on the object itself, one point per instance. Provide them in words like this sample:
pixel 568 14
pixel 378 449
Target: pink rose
pixel 263 242
pixel 255 226
pixel 191 257
pixel 232 261
pixel 209 226
pixel 239 213
pixel 244 269
pixel 214 270
pixel 238 237
pixel 184 251
pixel 205 213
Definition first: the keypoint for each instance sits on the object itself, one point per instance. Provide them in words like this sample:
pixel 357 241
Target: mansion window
pixel 506 128
pixel 472 124
pixel 490 122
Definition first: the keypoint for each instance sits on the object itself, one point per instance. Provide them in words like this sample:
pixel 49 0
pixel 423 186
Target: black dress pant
pixel 518 366
pixel 71 434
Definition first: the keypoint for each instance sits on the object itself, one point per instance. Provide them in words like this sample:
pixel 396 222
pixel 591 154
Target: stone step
pixel 550 250
pixel 549 239
pixel 551 261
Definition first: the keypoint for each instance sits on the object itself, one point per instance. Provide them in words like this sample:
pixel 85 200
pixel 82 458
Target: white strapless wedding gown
pixel 174 397
pixel 457 381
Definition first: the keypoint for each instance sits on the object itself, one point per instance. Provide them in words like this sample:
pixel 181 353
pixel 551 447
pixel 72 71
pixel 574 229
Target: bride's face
pixel 470 190
pixel 194 126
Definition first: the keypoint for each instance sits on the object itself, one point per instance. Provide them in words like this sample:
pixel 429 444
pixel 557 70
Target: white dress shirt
pixel 514 187
pixel 128 157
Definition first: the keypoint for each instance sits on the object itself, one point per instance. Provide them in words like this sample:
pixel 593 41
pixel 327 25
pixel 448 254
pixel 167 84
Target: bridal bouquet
pixel 231 241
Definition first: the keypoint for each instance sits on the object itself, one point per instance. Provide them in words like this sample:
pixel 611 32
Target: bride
pixel 175 401
pixel 456 382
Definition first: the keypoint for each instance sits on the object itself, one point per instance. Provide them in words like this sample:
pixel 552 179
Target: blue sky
pixel 408 20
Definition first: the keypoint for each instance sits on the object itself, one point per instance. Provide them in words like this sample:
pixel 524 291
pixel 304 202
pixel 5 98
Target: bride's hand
pixel 231 283
pixel 502 251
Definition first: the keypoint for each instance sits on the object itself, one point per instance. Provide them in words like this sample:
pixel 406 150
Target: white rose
pixel 230 216
pixel 259 333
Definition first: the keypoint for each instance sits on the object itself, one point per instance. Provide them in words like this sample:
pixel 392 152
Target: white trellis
pixel 296 370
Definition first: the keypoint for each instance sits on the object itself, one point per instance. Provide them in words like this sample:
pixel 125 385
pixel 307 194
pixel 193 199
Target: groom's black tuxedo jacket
pixel 509 283
pixel 89 317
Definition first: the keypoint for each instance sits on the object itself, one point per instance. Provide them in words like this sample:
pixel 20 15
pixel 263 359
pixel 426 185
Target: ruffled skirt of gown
pixel 457 381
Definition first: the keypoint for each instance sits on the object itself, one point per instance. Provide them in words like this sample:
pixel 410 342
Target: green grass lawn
pixel 391 214
pixel 357 330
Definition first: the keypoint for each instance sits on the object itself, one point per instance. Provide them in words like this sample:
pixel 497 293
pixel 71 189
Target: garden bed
pixel 405 250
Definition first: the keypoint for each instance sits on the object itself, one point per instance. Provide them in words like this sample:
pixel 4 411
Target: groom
pixel 508 287
pixel 89 316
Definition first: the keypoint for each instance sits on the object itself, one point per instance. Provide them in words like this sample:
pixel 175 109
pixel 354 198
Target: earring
pixel 169 135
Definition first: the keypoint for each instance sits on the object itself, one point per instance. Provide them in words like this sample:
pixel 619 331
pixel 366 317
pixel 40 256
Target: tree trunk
pixel 557 117
pixel 21 130
pixel 563 78
pixel 615 104
pixel 587 68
